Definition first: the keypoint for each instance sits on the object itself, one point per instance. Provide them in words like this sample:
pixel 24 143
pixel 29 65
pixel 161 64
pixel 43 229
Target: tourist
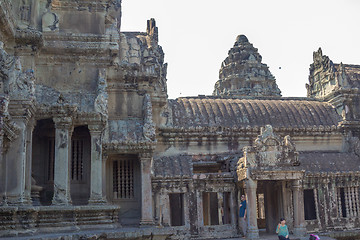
pixel 282 230
pixel 242 215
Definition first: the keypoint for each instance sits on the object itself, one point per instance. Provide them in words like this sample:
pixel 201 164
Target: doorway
pixel 270 205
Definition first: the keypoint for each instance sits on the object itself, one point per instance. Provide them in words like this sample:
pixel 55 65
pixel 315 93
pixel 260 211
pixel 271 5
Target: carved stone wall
pixel 79 98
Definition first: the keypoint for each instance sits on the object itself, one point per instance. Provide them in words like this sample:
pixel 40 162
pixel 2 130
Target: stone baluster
pixel 96 172
pixel 347 205
pixel 352 189
pixel 253 231
pixel 357 197
pixel 339 203
pixel 63 131
pixel 299 218
pixel 146 191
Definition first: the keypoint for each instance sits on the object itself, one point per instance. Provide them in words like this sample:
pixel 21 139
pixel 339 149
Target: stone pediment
pixel 269 153
pixel 272 151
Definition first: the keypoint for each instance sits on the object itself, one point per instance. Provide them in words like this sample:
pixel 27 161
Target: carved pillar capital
pixel 145 156
pixel 96 128
pixel 63 123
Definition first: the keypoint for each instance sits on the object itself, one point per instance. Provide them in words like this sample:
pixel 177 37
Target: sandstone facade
pixel 91 146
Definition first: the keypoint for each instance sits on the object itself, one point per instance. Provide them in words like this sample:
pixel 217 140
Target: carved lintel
pixel 297 184
pixel 96 128
pixel 61 110
pixel 145 156
pixel 63 123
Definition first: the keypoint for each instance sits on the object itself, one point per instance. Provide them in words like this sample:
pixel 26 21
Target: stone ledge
pixel 30 220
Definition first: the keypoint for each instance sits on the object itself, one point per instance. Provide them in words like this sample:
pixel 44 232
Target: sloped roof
pixel 194 112
pixel 318 162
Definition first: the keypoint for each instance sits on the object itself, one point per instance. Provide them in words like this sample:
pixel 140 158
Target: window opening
pixel 123 179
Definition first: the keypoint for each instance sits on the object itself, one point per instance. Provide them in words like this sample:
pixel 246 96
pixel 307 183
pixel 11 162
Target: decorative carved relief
pixel 101 101
pixel 50 21
pixel 149 126
pixel 269 152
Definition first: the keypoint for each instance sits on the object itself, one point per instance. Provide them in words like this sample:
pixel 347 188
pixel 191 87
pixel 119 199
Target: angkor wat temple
pixel 92 147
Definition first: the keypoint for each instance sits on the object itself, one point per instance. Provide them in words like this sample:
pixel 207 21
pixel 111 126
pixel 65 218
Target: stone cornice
pixel 331 174
pixel 80 45
pixel 31 37
pixel 155 180
pixel 22 108
pixel 80 5
pixel 170 132
pixel 277 174
pixel 128 147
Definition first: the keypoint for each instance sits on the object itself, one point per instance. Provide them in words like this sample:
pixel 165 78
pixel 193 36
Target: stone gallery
pixel 91 146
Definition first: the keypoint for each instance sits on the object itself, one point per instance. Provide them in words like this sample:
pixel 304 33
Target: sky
pixel 196 36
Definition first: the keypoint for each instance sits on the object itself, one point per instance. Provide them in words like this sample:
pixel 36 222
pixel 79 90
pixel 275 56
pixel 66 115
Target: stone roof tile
pixel 194 112
pixel 318 162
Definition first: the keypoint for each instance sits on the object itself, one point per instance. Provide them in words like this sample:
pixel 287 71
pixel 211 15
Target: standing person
pixel 282 230
pixel 242 215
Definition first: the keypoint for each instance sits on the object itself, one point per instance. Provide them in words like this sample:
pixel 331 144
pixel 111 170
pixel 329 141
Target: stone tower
pixel 243 74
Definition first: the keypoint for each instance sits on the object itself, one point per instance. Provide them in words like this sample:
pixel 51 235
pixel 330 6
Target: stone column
pixel 253 231
pixel 63 131
pixel 28 169
pixel 233 208
pixel 299 218
pixel 16 166
pixel 146 192
pixel 2 161
pixel 220 196
pixel 96 176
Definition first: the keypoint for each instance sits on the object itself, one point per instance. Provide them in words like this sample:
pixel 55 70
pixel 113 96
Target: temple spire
pixel 243 74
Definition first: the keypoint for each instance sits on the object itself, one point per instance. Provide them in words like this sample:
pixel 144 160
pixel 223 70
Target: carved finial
pixel 318 54
pixel 241 39
pixel 152 31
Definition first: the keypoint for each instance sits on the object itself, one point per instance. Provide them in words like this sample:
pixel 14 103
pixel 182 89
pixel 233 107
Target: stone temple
pixel 92 148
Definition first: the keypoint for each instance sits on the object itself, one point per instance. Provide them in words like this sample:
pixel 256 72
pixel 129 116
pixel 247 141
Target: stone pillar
pixel 253 231
pixel 2 161
pixel 299 218
pixel 28 169
pixel 220 196
pixel 233 208
pixel 16 166
pixel 63 131
pixel 96 176
pixel 146 191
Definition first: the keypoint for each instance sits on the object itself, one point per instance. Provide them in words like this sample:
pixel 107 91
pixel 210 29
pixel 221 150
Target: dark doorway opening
pixel 43 158
pixel 309 204
pixel 176 209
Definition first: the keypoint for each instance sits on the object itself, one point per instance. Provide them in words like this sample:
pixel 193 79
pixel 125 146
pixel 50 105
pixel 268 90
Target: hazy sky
pixel 196 36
